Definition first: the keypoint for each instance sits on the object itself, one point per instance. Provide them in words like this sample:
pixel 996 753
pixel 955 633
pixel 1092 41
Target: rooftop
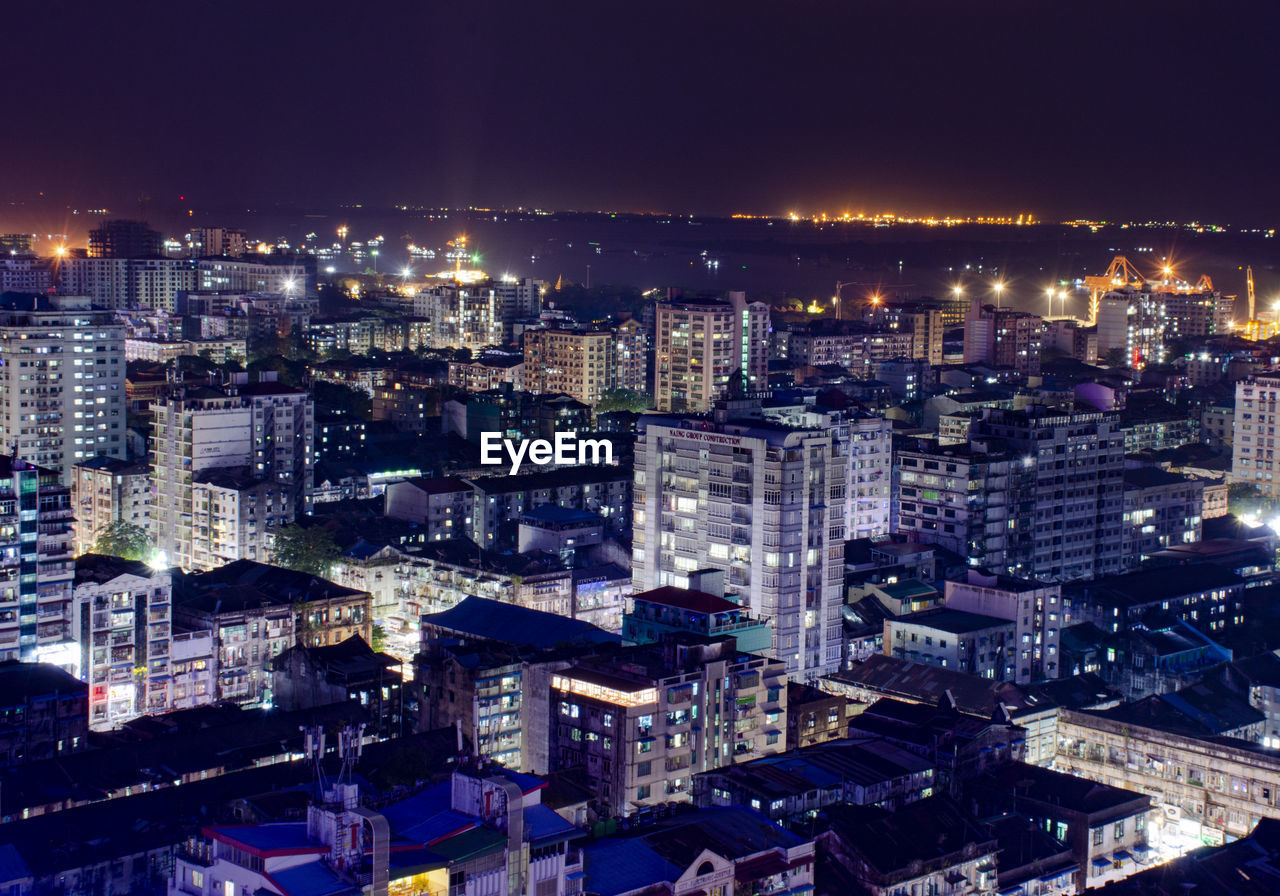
pixel 903 679
pixel 497 621
pixel 440 485
pixel 1148 586
pixel 1044 785
pixel 929 831
pixel 32 681
pixel 246 583
pixel 956 622
pixel 115 465
pixel 102 568
pixel 1152 477
pixel 686 599
pixel 664 852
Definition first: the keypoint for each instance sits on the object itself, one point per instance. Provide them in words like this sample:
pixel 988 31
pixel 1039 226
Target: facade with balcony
pixel 36 568
pixel 645 721
pixel 124 621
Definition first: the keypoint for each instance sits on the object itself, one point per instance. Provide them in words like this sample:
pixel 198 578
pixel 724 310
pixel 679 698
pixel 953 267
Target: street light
pixel 1049 294
pixel 999 288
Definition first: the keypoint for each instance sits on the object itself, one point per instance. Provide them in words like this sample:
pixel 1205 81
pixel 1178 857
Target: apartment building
pixel 235 515
pixel 1160 510
pixel 703 347
pixel 475 313
pixel 1206 789
pixel 1003 337
pixel 264 426
pixel 1253 448
pixel 36 569
pixel 1134 325
pixel 256 611
pixel 124 625
pixel 1035 608
pixel 580 363
pixel 1037 493
pixel 762 500
pixel 107 490
pixel 62 395
pixel 645 721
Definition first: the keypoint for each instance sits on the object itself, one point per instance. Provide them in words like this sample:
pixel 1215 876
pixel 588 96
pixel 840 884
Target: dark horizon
pixel 1145 112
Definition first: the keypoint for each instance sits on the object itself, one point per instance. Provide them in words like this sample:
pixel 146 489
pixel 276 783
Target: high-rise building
pixel 36 570
pixel 630 352
pixel 1036 493
pixel 107 490
pixel 580 363
pixel 1003 337
pixel 705 347
pixel 1254 459
pixel 210 242
pixel 1132 324
pixel 475 313
pixel 118 282
pixel 769 503
pixel 25 273
pixel 121 238
pixel 853 345
pixel 62 395
pixel 264 426
pixel 291 276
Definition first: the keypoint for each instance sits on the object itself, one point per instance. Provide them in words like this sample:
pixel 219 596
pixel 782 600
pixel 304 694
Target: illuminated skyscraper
pixel 62 373
pixel 771 504
pixel 703 345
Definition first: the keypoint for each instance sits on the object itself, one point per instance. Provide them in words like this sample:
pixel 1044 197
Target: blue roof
pixel 666 850
pixel 542 824
pixel 311 879
pixel 270 837
pixel 427 816
pixel 623 865
pixel 494 620
pixel 12 867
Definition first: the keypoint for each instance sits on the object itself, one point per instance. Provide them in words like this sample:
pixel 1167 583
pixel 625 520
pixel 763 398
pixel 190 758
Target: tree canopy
pixel 624 400
pixel 122 539
pixel 309 549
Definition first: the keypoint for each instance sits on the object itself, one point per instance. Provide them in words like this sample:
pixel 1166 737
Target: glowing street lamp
pixel 998 287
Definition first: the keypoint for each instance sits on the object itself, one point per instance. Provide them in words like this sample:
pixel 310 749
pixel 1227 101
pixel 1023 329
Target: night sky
pixel 1125 110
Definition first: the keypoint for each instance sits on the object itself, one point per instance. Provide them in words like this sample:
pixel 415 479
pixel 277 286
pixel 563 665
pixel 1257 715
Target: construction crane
pixel 1120 274
pixel 1257 330
pixel 1248 279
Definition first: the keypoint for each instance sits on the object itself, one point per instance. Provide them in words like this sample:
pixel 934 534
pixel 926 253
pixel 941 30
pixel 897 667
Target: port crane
pixel 1120 273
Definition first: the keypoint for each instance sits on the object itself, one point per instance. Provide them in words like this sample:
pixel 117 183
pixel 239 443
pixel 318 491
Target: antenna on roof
pixel 313 748
pixel 350 746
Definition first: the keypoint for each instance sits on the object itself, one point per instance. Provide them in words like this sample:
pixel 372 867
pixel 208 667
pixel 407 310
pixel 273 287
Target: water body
pixel 783 259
